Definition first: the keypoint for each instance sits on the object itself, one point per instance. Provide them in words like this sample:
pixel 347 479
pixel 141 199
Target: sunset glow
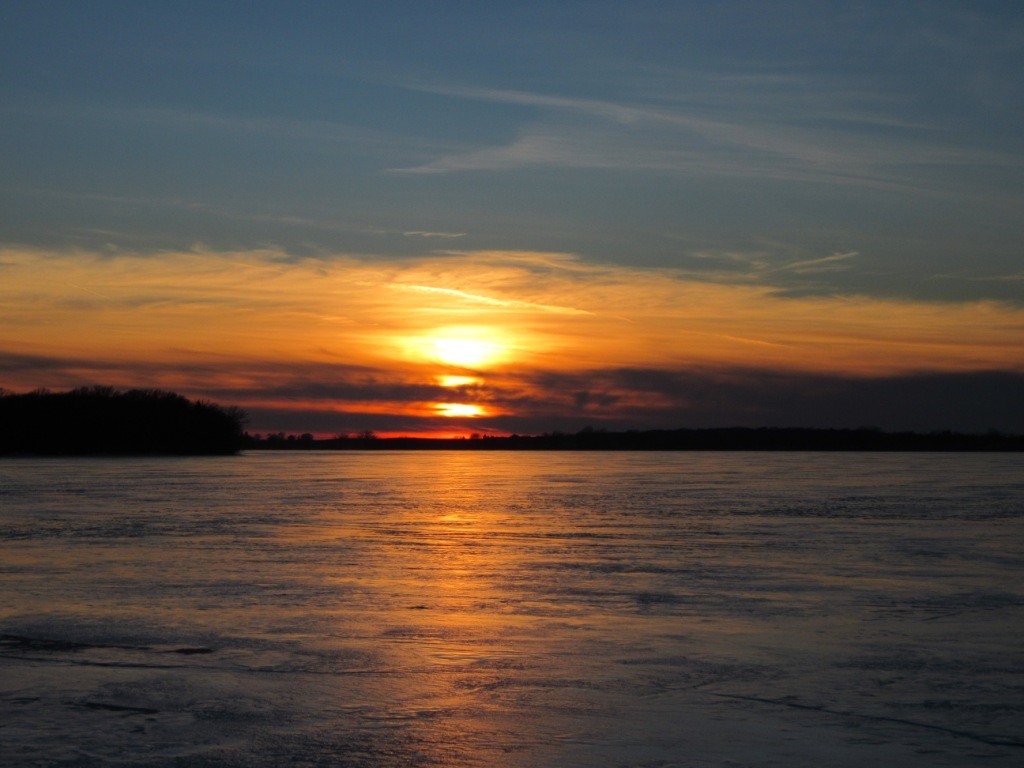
pixel 517 384
pixel 236 326
pixel 748 224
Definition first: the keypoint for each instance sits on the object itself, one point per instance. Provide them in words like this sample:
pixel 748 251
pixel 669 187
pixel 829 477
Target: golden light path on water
pixel 468 609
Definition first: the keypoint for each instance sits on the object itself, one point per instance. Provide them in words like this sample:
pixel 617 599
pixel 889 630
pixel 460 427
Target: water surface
pixel 513 609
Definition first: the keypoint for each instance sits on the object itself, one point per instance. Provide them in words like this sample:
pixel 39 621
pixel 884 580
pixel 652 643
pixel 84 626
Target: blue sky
pixel 855 149
pixel 692 134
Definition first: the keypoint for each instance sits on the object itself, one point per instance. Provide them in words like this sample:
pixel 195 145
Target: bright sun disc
pixel 470 348
pixel 463 352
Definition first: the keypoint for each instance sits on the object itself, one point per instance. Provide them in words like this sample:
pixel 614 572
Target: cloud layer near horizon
pixel 349 342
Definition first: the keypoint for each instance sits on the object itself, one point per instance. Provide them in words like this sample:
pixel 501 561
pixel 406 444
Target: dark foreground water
pixel 504 609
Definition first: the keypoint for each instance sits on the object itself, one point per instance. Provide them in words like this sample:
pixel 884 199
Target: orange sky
pixel 459 336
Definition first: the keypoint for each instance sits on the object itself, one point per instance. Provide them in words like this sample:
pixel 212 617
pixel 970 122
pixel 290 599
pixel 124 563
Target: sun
pixel 464 353
pixel 468 347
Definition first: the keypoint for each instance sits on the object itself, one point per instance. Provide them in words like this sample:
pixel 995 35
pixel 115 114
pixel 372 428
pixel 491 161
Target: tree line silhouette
pixel 102 420
pixel 720 439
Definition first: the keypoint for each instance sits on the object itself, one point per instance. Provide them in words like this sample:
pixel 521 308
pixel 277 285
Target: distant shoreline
pixel 715 439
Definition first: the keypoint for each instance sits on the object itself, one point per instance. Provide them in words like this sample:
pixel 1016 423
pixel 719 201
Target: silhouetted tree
pixel 102 420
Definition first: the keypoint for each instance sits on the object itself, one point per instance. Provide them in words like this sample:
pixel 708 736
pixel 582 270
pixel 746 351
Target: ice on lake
pixel 513 609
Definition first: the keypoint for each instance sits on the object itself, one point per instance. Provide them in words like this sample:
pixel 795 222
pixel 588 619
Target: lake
pixel 513 609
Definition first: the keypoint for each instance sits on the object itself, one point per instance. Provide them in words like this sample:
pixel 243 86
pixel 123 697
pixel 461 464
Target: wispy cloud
pixel 193 204
pixel 322 132
pixel 768 268
pixel 439 235
pixel 490 301
pixel 1011 277
pixel 835 145
pixel 821 264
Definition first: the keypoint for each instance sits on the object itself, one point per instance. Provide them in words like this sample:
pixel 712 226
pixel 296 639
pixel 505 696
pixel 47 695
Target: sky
pixel 455 217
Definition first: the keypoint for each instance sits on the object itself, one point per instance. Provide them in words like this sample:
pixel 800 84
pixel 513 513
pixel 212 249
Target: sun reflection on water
pixel 467 609
pixel 460 409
